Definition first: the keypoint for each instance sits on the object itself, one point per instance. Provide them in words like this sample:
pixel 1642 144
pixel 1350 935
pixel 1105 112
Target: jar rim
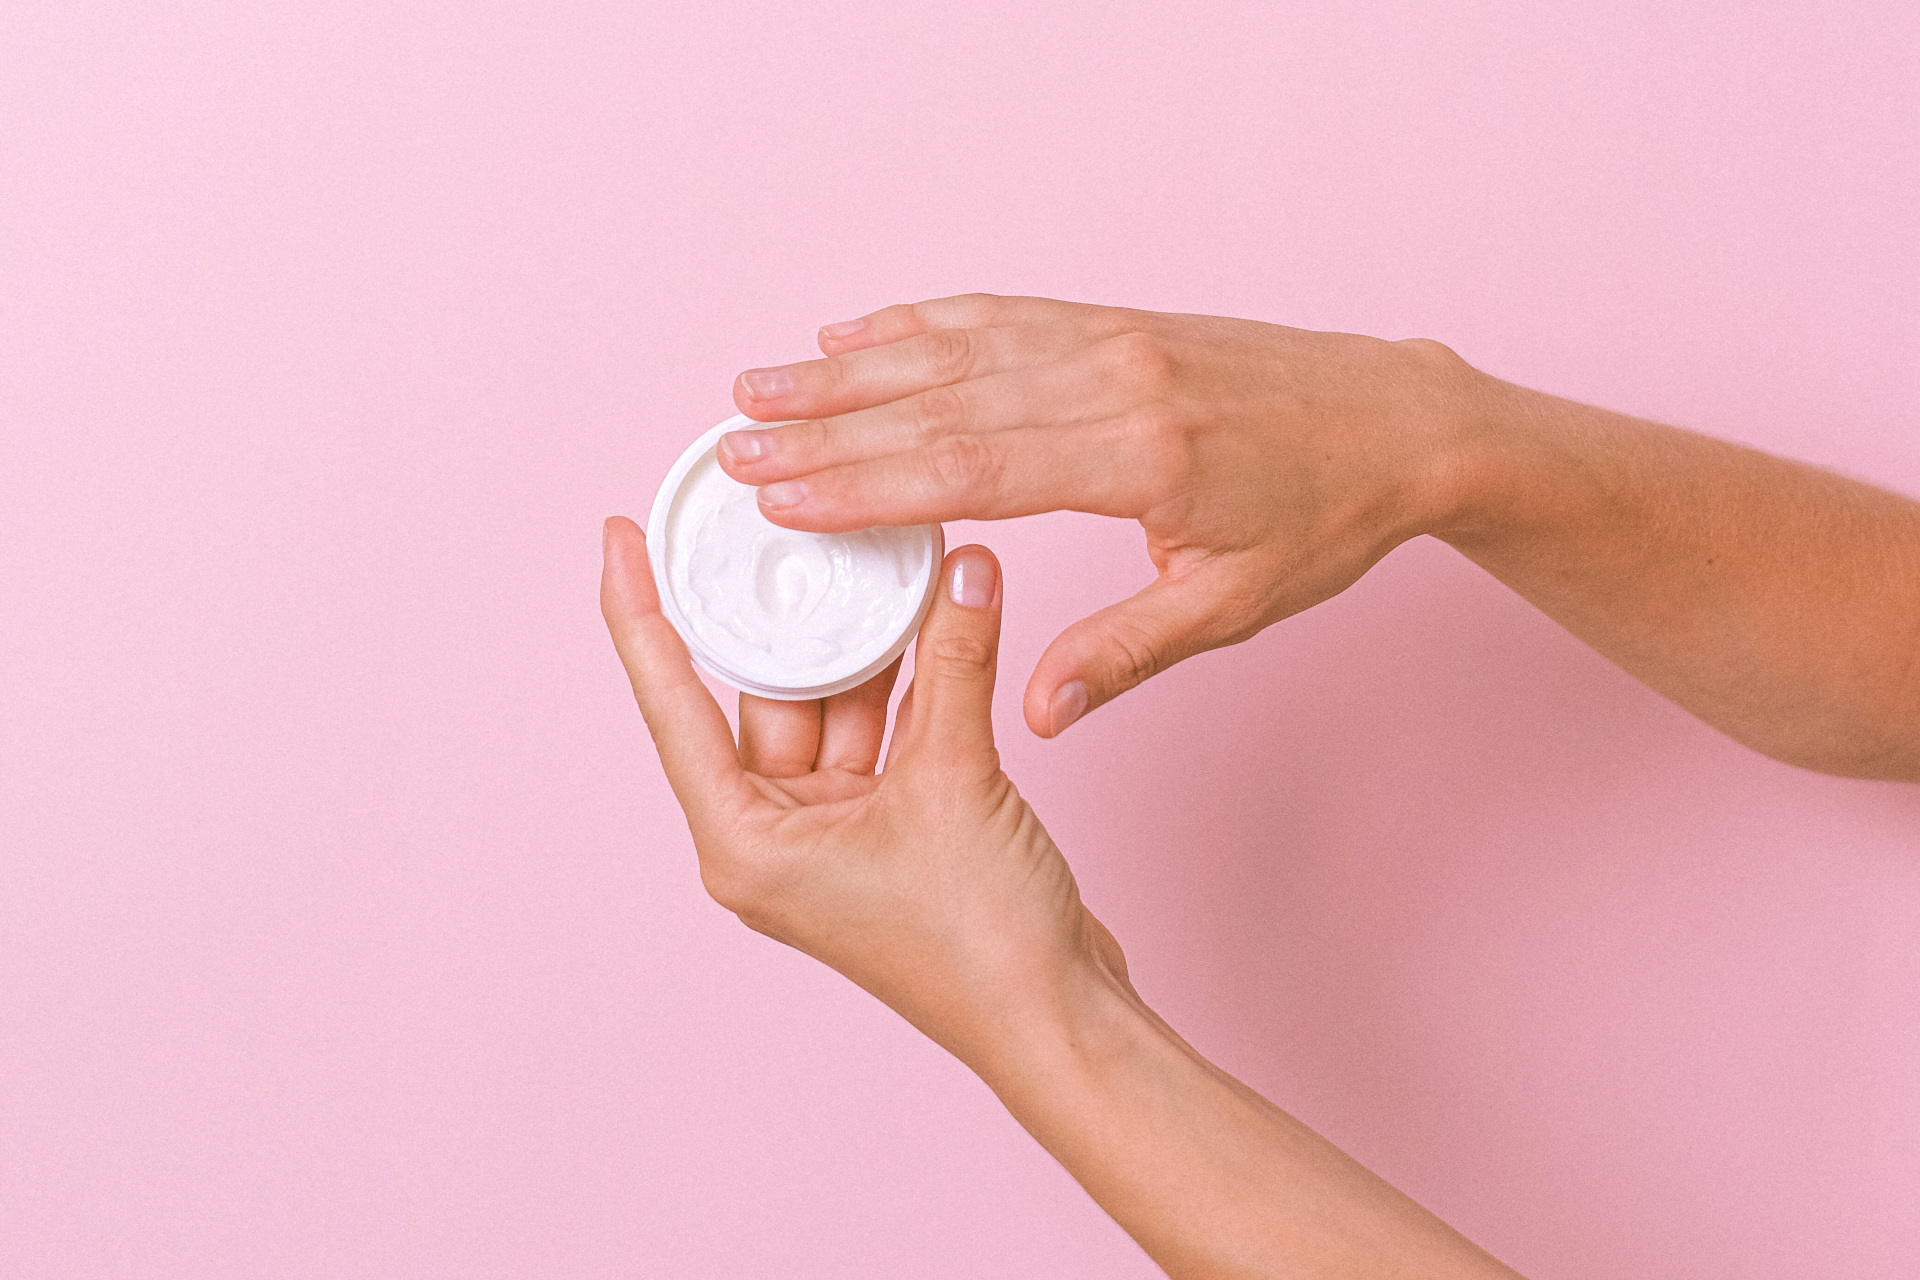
pixel 657 520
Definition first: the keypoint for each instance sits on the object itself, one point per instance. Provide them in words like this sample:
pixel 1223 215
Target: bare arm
pixel 936 888
pixel 1211 1178
pixel 1271 467
pixel 1778 602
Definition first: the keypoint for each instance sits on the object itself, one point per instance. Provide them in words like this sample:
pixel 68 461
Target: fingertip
pixel 790 513
pixel 1033 711
pixel 621 538
pixel 816 513
pixel 764 385
pixel 842 335
pixel 626 579
pixel 973 577
pixel 955 661
pixel 962 629
pixel 759 408
pixel 619 532
pixel 1051 709
pixel 1068 704
pixel 783 495
pixel 739 448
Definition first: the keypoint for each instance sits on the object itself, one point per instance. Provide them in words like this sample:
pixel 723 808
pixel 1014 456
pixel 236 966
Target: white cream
pixel 776 611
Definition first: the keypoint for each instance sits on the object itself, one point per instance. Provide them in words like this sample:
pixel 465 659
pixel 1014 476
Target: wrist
pixel 1486 431
pixel 1066 1031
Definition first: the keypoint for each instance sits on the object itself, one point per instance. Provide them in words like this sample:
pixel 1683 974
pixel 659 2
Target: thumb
pixel 1102 656
pixel 954 660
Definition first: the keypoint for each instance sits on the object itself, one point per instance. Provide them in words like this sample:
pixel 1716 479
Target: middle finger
pixel 853 723
pixel 1062 393
pixel 778 739
pixel 876 375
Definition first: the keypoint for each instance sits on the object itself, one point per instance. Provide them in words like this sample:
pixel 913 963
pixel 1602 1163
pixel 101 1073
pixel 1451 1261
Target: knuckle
pixel 962 464
pixel 1139 360
pixel 976 309
pixel 939 412
pixel 1238 611
pixel 833 376
pixel 958 655
pixel 948 353
pixel 1434 366
pixel 931 780
pixel 1138 654
pixel 1427 350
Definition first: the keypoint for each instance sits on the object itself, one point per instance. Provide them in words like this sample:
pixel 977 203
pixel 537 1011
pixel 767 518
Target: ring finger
pixel 876 375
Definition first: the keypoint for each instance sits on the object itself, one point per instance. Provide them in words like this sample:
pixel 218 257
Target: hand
pixel 932 885
pixel 1269 467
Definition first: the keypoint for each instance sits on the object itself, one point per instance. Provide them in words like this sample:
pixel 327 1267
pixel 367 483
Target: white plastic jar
pixel 778 612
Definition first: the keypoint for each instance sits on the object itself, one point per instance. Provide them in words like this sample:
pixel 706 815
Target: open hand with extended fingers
pixel 1269 467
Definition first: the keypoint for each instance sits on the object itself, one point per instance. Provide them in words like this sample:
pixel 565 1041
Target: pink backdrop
pixel 346 926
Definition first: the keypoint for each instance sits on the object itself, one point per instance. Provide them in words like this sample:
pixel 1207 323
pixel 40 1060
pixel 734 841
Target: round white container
pixel 774 611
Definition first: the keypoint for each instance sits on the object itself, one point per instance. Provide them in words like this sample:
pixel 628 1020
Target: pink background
pixel 346 926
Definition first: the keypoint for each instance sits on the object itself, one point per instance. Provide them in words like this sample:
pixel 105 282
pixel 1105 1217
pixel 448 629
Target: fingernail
pixel 744 446
pixel 788 493
pixel 972 582
pixel 842 329
pixel 765 384
pixel 1069 704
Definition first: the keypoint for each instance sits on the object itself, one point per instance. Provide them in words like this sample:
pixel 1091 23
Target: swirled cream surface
pixel 778 610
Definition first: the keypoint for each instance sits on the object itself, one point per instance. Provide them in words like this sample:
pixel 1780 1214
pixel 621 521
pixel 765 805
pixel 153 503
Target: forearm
pixel 1209 1177
pixel 1778 602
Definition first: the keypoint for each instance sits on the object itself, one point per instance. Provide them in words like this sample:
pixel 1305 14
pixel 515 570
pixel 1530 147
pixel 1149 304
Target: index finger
pixel 1108 468
pixel 689 729
pixel 872 376
pixel 963 311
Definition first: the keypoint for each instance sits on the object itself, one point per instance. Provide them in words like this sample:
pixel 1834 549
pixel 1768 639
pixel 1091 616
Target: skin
pixel 934 886
pixel 1270 467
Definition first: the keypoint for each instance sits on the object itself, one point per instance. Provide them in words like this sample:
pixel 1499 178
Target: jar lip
pixel 670 605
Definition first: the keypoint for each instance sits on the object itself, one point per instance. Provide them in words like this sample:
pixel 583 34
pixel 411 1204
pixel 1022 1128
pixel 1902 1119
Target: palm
pixel 840 789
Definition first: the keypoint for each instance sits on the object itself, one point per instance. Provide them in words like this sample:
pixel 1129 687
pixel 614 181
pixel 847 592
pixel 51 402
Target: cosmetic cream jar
pixel 774 611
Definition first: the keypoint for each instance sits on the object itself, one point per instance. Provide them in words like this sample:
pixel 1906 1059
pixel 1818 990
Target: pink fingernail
pixel 1069 704
pixel 972 582
pixel 842 329
pixel 765 384
pixel 788 493
pixel 745 446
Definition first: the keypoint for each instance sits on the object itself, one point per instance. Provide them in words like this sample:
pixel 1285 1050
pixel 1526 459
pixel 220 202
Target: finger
pixel 853 724
pixel 1102 656
pixel 778 739
pixel 953 663
pixel 1056 393
pixel 689 729
pixel 902 718
pixel 859 379
pixel 964 311
pixel 1105 468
